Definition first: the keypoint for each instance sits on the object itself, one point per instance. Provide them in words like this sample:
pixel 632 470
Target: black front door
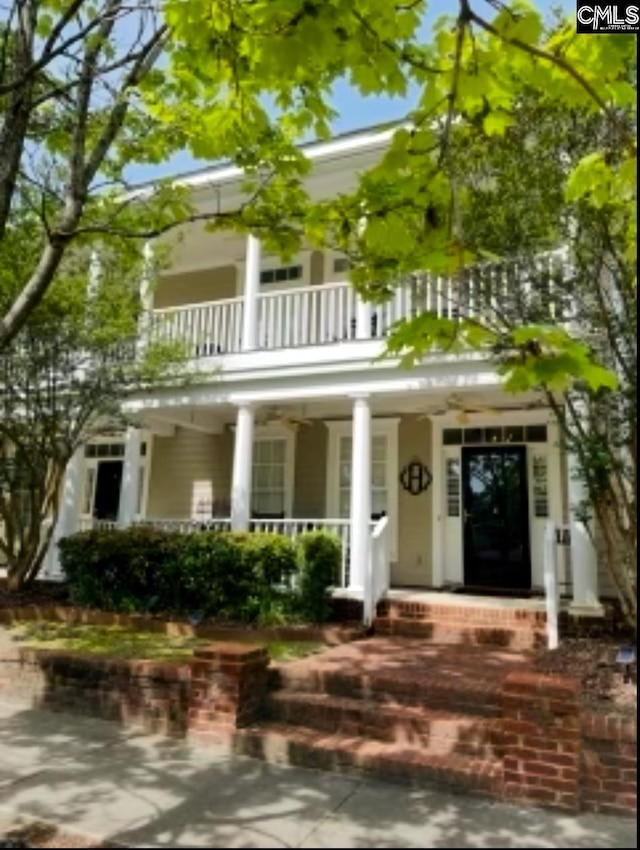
pixel 107 498
pixel 496 517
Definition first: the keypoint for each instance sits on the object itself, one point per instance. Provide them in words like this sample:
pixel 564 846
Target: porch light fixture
pixel 626 657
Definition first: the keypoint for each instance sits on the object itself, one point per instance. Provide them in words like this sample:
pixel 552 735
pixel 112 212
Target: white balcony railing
pixel 207 329
pixel 326 314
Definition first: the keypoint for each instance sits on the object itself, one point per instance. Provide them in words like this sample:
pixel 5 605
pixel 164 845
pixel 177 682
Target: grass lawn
pixel 120 642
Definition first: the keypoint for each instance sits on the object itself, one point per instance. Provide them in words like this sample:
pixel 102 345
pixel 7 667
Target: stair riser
pixel 480 741
pixel 473 616
pixel 431 695
pixel 253 743
pixel 470 635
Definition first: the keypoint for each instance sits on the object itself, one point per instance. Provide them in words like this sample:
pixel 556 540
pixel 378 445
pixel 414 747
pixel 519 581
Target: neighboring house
pixel 434 472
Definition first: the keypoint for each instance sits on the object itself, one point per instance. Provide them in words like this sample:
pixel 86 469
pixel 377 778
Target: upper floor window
pixel 341 265
pixel 281 274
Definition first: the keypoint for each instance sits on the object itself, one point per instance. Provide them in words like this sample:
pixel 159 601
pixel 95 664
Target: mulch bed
pixel 593 661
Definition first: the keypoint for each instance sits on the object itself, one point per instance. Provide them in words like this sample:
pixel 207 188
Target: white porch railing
pixel 551 590
pixel 295 527
pixel 92 524
pixel 207 329
pixel 377 575
pixel 186 526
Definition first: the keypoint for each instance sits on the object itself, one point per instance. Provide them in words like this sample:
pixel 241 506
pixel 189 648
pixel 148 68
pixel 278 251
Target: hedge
pixel 220 574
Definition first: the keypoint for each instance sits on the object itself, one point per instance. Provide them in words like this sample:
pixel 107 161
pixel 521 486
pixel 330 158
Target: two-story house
pixel 433 473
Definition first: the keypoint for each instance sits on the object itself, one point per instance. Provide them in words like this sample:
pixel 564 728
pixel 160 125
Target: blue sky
pixel 354 111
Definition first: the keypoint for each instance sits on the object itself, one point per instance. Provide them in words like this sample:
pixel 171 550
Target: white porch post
pixel 242 463
pixel 128 504
pixel 364 310
pixel 251 287
pixel 145 325
pixel 364 314
pixel 360 493
pixel 68 512
pixel 437 504
pixel 584 559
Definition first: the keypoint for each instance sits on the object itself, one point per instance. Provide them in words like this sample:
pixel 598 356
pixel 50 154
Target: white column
pixel 68 512
pixel 360 493
pixel 242 465
pixel 128 505
pixel 584 559
pixel 437 504
pixel 251 287
pixel 364 315
pixel 145 325
pixel 364 310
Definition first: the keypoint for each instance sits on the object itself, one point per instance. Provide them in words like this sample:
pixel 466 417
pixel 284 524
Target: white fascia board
pixel 316 153
pixel 312 361
pixel 427 378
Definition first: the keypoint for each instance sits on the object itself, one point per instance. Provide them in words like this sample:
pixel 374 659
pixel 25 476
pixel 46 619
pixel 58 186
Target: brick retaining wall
pixel 609 763
pixel 541 738
pixel 559 754
pixel 222 687
pixel 553 752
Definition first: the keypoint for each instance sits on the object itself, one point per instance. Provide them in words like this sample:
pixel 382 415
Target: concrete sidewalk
pixel 96 778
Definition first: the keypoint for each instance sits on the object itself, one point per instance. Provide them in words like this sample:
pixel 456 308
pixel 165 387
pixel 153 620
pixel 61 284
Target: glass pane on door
pixel 496 518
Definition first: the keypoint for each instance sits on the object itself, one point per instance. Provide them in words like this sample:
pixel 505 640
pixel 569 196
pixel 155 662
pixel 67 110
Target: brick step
pixel 448 632
pixel 434 731
pixel 282 744
pixel 492 615
pixel 480 698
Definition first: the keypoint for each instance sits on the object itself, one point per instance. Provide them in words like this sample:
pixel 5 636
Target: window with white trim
pixel 453 487
pixel 269 489
pixel 379 476
pixel 384 472
pixel 540 486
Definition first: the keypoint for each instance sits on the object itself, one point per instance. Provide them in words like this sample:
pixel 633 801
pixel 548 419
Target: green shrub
pixel 321 554
pixel 237 576
pixel 117 570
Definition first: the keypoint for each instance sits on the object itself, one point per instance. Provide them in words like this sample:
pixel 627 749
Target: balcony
pixel 327 314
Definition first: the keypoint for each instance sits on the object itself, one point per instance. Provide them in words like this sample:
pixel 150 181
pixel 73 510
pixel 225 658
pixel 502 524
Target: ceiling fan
pixel 465 406
pixel 279 416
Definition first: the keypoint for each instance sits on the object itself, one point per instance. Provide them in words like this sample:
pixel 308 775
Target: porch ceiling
pixel 214 419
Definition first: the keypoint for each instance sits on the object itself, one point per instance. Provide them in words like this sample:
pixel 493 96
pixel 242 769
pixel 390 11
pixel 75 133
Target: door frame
pixel 520 450
pixel 447 559
pixel 102 462
pixel 85 498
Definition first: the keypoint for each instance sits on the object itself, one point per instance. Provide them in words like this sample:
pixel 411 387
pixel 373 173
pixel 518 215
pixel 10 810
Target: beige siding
pixel 195 287
pixel 316 268
pixel 309 492
pixel 414 512
pixel 188 472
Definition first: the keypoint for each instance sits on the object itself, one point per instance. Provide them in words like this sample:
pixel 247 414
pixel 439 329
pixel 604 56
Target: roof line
pixel 317 149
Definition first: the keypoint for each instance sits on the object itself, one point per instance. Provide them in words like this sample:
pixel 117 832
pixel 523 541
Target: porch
pixel 416 462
